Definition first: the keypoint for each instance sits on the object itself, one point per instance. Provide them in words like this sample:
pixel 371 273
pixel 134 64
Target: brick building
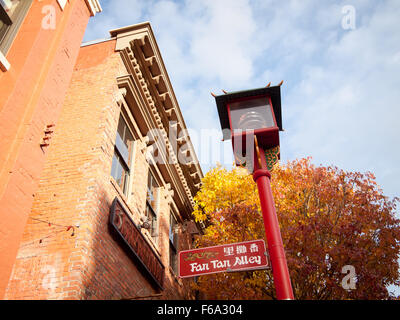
pixel 39 44
pixel 99 177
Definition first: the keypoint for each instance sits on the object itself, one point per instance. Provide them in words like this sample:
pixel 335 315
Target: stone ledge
pixel 94 6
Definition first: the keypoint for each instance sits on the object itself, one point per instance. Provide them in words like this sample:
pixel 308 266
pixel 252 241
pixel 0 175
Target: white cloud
pixel 345 111
pixel 206 46
pixel 115 14
pixel 340 96
pixel 209 40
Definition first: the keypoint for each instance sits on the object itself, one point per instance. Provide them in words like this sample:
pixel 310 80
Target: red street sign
pixel 241 256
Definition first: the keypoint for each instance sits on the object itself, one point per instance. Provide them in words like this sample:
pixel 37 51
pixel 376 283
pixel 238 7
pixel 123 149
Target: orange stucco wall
pixel 32 92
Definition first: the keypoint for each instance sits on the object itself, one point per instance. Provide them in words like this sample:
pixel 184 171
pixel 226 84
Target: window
pixel 12 13
pixel 151 203
pixel 173 244
pixel 120 167
pixel 251 114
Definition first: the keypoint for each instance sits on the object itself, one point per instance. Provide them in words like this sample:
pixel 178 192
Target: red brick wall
pixel 76 189
pixel 32 92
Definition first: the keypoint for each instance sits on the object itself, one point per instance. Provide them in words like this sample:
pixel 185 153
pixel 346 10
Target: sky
pixel 340 62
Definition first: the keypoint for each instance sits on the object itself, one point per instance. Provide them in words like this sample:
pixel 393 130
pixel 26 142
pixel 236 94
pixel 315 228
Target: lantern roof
pixel 224 99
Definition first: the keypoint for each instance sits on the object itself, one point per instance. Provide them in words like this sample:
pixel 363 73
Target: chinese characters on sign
pixel 241 256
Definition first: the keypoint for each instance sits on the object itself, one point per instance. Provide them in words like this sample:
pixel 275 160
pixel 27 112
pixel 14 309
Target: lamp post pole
pixel 280 270
pixel 259 110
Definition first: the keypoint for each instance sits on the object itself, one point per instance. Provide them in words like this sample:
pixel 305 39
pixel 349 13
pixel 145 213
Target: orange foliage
pixel 329 219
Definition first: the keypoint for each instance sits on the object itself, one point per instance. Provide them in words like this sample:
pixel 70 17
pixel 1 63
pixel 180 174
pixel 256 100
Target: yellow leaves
pixel 322 211
pixel 223 189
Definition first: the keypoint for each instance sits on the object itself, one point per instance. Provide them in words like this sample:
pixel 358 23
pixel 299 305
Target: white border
pixel 226 270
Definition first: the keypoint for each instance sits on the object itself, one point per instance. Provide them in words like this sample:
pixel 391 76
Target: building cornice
pixel 94 6
pixel 142 57
pixel 134 92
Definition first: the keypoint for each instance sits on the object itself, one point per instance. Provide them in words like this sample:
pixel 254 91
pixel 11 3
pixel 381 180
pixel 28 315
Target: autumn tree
pixel 332 223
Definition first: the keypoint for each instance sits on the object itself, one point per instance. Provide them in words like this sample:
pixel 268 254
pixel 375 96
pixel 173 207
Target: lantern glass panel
pixel 251 114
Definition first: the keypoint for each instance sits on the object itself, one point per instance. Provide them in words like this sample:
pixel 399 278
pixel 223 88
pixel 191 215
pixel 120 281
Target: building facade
pixel 113 185
pixel 39 44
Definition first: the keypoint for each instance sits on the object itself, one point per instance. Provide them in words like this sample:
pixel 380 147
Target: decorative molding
pixel 134 93
pixel 120 95
pixel 94 6
pixel 128 55
pixel 169 193
pixel 158 105
pixel 140 41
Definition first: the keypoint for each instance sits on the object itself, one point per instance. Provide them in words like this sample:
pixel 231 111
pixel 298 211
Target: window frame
pixel 122 149
pixel 13 24
pixel 149 208
pixel 123 155
pixel 173 244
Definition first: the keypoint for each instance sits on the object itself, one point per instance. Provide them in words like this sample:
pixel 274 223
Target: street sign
pixel 137 243
pixel 241 256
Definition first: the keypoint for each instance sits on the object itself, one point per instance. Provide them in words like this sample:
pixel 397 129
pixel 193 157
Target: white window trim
pixel 62 3
pixel 94 6
pixel 4 64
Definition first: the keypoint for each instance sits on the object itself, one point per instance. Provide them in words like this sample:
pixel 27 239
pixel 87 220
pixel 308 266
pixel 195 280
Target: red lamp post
pixel 252 119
